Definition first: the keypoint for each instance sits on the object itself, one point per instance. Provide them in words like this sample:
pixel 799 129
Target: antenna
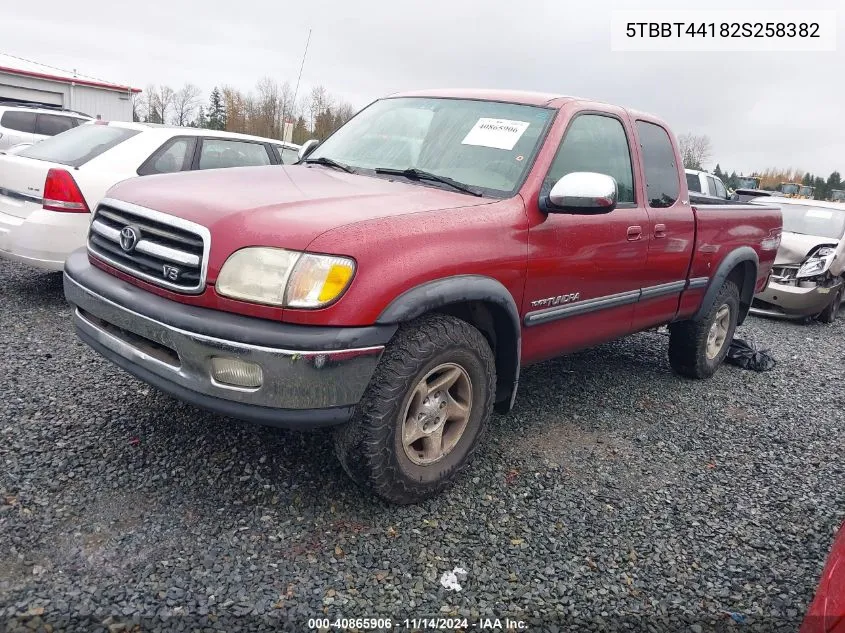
pixel 296 90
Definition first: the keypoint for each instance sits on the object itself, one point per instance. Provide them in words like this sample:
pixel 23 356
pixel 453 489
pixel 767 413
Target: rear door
pixel 670 227
pixel 176 154
pixel 18 126
pixel 221 153
pixel 584 271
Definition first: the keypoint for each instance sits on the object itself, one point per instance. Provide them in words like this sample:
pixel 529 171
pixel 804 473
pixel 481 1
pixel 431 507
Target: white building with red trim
pixel 25 80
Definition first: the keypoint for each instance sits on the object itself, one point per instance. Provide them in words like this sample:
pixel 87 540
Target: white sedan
pixel 48 190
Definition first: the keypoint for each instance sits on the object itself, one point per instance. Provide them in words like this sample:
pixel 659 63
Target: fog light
pixel 237 373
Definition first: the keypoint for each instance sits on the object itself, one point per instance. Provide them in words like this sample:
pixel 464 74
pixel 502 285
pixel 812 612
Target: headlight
pixel 285 278
pixel 317 280
pixel 817 263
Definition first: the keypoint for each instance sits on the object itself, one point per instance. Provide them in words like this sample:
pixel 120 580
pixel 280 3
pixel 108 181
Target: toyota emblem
pixel 129 238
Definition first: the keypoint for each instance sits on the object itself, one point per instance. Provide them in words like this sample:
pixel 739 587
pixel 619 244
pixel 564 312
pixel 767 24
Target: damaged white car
pixel 807 278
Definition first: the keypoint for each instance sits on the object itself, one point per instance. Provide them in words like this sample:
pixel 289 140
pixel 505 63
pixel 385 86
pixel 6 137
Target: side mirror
pixel 307 147
pixel 583 192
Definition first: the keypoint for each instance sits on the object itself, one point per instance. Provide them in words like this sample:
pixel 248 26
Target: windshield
pixel 799 218
pixel 838 195
pixel 806 191
pixel 746 183
pixel 78 145
pixel 789 189
pixel 484 144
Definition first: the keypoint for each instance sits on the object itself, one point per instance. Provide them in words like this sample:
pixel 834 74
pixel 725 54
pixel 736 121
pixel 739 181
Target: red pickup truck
pixel 393 283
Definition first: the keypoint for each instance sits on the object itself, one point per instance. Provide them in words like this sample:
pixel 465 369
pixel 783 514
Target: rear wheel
pixel 698 347
pixel 424 411
pixel 829 314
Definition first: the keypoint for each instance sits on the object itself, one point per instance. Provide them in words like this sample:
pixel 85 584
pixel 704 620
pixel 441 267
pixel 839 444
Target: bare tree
pixel 269 108
pixel 185 104
pixel 159 99
pixel 320 102
pixel 166 98
pixel 237 110
pixel 139 106
pixel 695 150
pixel 150 108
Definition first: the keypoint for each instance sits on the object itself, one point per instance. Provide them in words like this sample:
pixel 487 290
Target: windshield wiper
pixel 330 162
pixel 418 174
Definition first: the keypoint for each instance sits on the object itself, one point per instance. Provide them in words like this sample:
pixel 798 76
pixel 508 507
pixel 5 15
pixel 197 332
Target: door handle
pixel 659 230
pixel 635 233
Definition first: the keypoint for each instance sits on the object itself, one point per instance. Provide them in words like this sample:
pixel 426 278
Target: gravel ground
pixel 615 495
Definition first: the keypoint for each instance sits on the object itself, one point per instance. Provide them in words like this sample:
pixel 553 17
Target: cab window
pixel 694 183
pixel 174 155
pixel 596 143
pixel 223 152
pixel 661 170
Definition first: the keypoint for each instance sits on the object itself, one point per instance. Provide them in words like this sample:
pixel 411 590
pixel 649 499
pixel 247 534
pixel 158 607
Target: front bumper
pixel 43 239
pixel 312 376
pixel 781 300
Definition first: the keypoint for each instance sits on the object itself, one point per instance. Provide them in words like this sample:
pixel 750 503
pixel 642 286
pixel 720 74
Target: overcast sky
pixel 759 109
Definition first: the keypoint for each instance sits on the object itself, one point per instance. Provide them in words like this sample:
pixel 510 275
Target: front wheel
pixel 424 411
pixel 697 348
pixel 829 314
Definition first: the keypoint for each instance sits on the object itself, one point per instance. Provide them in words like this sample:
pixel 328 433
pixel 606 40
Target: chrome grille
pixel 159 248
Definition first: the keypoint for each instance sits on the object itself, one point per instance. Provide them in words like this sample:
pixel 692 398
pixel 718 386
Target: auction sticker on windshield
pixel 496 133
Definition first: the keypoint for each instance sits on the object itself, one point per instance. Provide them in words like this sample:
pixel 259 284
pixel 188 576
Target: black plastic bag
pixel 748 356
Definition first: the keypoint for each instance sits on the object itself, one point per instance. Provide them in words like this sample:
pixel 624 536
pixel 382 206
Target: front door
pixel 584 271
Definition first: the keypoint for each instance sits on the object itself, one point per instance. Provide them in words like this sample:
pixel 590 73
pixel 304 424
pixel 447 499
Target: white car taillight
pixel 61 193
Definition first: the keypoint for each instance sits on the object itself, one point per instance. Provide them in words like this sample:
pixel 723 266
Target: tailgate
pixel 22 184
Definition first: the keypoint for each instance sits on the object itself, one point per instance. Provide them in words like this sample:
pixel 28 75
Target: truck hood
pixel 281 206
pixel 794 247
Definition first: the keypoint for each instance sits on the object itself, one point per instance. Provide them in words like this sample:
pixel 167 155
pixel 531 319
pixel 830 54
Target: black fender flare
pixel 448 291
pixel 729 263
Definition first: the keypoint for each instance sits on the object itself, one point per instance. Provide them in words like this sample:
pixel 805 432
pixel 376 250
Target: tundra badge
pixel 556 301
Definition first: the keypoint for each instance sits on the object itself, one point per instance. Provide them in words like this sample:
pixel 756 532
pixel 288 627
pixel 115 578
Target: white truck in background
pixel 706 187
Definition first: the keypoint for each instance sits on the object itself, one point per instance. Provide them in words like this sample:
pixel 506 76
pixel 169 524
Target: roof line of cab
pixel 531 98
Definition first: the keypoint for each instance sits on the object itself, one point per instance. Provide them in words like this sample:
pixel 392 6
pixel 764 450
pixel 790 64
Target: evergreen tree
pixel 808 179
pixel 718 173
pixel 733 180
pixel 821 188
pixel 300 131
pixel 200 121
pixel 216 118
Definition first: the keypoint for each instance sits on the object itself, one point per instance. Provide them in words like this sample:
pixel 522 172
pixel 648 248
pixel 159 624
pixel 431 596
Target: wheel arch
pixel 739 266
pixel 481 301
